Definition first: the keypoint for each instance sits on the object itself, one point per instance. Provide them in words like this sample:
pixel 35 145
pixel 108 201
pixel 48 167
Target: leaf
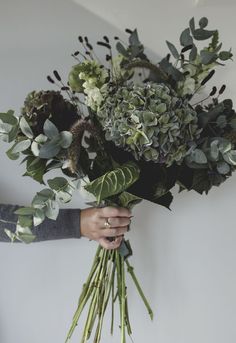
pixel 21 146
pixel 203 22
pixel 221 121
pixel 11 155
pixel 9 118
pixel 36 168
pixel 49 150
pixel 39 216
pixel 134 39
pixel 199 156
pixel 65 139
pixel 201 34
pixel 41 198
pixel 173 49
pixel 58 183
pixel 223 168
pixel 113 182
pixel 121 49
pixel 128 200
pixel 225 55
pixel 25 128
pixel 207 57
pixel 52 209
pixel 25 211
pixel 192 25
pixel 193 53
pixel 185 38
pixel 25 221
pixel 50 130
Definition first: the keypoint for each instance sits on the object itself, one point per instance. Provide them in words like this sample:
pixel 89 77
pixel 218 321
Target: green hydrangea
pixel 150 121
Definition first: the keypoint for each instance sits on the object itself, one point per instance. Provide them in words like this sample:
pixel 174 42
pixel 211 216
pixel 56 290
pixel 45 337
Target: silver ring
pixel 107 224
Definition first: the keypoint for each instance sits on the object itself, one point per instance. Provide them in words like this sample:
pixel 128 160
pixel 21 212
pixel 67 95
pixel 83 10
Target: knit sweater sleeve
pixel 67 224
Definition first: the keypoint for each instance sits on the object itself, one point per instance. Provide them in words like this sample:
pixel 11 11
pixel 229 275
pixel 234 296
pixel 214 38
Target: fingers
pixel 118 221
pixel 109 212
pixel 113 232
pixel 110 245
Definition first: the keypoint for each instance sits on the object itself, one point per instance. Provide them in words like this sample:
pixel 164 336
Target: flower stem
pixel 131 271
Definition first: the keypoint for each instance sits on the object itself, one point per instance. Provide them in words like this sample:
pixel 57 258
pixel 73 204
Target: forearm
pixel 67 224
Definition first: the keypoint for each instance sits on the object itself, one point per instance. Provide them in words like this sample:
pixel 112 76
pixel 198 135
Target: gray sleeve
pixel 67 224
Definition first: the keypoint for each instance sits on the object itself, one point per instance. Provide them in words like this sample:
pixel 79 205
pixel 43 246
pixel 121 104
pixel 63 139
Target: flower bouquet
pixel 126 129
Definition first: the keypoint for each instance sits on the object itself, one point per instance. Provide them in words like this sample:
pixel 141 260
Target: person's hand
pixel 99 224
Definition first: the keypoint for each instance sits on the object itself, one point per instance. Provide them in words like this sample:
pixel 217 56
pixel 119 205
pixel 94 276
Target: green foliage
pixel 113 182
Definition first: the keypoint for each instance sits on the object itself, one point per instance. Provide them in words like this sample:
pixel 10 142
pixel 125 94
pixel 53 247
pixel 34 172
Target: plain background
pixel 185 259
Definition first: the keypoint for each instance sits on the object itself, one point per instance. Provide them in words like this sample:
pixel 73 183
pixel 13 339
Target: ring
pixel 107 224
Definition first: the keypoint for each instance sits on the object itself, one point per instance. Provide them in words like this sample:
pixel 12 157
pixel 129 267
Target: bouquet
pixel 125 129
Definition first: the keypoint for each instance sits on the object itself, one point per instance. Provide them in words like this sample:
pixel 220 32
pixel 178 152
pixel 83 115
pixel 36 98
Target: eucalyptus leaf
pixel 208 57
pixel 193 53
pixel 173 49
pixel 199 156
pixel 225 55
pixel 50 130
pixel 38 217
pixel 121 49
pixel 201 34
pixel 52 209
pixel 21 146
pixel 203 22
pixel 134 39
pixel 49 150
pixel 25 128
pixel 11 154
pixel 185 38
pixel 65 139
pixel 192 25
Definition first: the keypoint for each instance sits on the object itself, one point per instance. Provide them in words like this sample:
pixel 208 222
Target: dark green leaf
pixel 225 55
pixel 173 49
pixel 192 25
pixel 113 182
pixel 203 22
pixel 121 49
pixel 193 53
pixel 128 200
pixel 185 38
pixel 201 34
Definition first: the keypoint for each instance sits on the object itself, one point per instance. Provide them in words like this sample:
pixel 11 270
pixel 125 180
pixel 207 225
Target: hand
pixel 92 225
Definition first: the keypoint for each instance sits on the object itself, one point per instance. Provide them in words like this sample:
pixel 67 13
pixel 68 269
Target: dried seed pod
pixel 50 79
pixel 57 76
pixel 213 91
pixel 222 89
pixel 208 77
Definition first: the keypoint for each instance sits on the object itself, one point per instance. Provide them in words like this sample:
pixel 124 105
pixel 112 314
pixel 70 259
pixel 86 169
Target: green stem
pixel 131 271
pixel 123 296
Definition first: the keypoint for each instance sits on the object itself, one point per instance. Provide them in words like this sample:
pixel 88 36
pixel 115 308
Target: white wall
pixel 184 258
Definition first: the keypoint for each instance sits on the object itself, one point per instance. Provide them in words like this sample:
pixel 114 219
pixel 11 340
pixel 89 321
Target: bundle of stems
pixel 106 283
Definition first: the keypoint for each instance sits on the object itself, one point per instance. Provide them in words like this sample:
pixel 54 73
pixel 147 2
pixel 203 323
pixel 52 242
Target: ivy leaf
pixel 39 216
pixel 52 209
pixel 113 182
pixel 35 168
pixel 173 49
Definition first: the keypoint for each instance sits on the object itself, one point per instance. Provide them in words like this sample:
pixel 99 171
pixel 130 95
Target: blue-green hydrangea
pixel 150 121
